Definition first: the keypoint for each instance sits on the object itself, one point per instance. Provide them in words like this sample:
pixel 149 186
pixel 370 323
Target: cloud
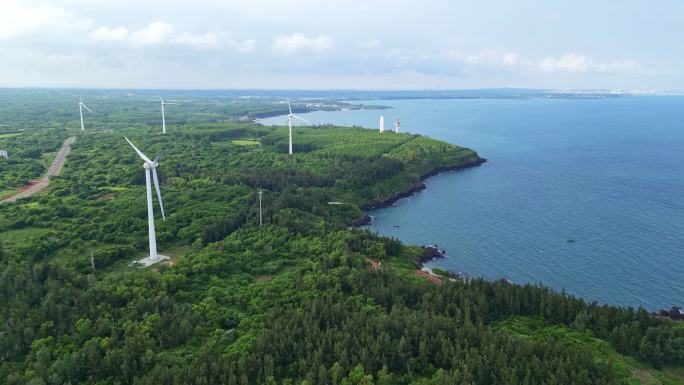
pixel 203 41
pixel 154 34
pixel 566 63
pixel 372 43
pixel 160 33
pixel 571 62
pixel 17 19
pixel 248 45
pixel 297 41
pixel 109 34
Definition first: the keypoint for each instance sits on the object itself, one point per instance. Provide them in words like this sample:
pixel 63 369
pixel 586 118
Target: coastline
pixel 430 252
pixel 256 116
pixel 416 188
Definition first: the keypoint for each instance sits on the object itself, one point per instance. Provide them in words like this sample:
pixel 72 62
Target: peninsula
pixel 302 299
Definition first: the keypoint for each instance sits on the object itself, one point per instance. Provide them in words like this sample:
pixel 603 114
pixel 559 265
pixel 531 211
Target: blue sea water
pixel 585 195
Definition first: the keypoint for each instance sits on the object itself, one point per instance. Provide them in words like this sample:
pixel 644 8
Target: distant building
pixel 396 125
pixel 3 154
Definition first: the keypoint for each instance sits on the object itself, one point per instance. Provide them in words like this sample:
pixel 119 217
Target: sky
pixel 342 44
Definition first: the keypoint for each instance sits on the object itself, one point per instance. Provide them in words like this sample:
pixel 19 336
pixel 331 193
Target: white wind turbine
pixel 163 103
pixel 289 122
pixel 151 168
pixel 80 110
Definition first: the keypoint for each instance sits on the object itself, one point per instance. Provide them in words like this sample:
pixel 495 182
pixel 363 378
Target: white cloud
pixel 203 41
pixel 372 43
pixel 248 45
pixel 297 41
pixel 109 34
pixel 510 59
pixel 566 63
pixel 572 62
pixel 160 33
pixel 154 34
pixel 17 19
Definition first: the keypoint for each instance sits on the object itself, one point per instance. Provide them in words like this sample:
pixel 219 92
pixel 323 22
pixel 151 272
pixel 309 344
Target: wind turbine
pixel 80 110
pixel 150 167
pixel 289 122
pixel 163 103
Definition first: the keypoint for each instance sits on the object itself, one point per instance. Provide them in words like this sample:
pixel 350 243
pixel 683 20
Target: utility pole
pixel 92 260
pixel 261 216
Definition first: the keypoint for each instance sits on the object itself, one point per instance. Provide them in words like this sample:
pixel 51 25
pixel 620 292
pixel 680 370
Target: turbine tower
pixel 397 123
pixel 163 103
pixel 81 106
pixel 382 123
pixel 289 122
pixel 261 216
pixel 150 167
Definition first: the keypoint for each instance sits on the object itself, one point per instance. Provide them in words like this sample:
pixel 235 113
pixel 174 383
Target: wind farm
pixel 219 247
pixel 341 193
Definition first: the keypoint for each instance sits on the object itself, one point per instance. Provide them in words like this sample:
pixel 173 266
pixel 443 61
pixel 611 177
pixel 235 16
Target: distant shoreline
pixel 256 116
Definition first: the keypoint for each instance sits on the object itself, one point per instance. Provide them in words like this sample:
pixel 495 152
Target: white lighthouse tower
pixel 397 123
pixel 382 123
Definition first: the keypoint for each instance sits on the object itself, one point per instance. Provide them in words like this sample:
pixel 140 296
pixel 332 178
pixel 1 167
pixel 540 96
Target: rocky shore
pixel 430 252
pixel 419 186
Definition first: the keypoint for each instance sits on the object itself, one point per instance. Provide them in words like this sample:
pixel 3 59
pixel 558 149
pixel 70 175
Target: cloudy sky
pixel 323 44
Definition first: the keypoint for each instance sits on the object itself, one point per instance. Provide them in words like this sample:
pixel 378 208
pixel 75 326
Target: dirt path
pixel 430 277
pixel 37 185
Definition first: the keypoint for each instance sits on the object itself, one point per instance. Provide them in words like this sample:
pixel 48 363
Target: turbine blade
pixel 158 156
pixel 288 106
pixel 161 100
pixel 86 107
pixel 146 159
pixel 302 119
pixel 156 186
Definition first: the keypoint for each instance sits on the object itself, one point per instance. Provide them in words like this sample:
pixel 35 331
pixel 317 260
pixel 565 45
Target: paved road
pixel 54 170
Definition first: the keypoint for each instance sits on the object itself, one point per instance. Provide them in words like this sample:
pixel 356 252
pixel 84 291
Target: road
pixel 38 184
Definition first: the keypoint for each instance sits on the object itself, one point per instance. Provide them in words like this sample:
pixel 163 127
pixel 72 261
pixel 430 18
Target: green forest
pixel 295 301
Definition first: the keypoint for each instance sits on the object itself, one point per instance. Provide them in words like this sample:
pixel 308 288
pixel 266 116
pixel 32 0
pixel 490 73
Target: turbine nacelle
pixel 150 165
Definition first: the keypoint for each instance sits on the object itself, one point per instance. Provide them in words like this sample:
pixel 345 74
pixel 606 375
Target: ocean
pixel 581 195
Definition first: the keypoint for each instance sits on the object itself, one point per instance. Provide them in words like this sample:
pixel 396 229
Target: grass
pixel 246 142
pixel 10 135
pixel 625 368
pixel 7 193
pixel 9 238
pixel 47 158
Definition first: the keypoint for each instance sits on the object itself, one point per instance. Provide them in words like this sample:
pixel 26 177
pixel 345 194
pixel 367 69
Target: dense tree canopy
pixel 292 302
